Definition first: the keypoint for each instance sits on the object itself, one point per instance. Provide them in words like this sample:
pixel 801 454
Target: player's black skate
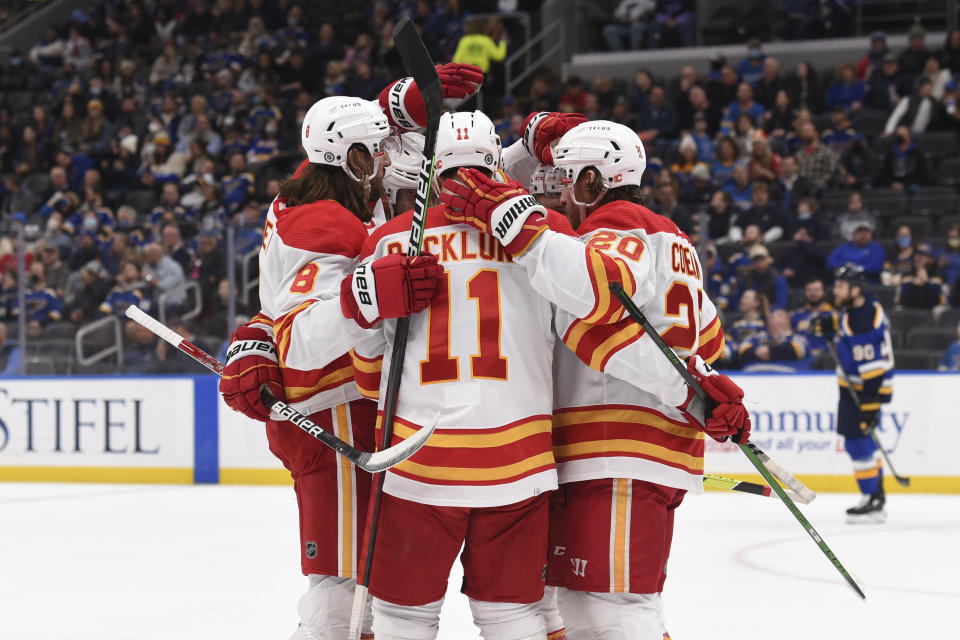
pixel 870 510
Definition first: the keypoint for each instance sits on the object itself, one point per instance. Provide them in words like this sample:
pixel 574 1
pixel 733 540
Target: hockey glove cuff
pixel 503 209
pixel 251 366
pixel 403 102
pixel 394 286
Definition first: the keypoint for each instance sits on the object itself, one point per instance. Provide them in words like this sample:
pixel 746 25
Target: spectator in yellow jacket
pixel 478 45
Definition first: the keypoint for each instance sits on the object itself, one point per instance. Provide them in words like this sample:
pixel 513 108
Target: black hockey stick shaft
pixel 903 481
pixel 420 65
pixel 641 319
pixel 372 462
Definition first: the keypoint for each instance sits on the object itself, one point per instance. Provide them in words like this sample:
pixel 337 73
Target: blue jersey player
pixel 861 334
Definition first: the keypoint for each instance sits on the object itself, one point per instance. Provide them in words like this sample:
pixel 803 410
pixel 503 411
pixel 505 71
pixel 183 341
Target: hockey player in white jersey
pixel 482 358
pixel 325 246
pixel 312 241
pixel 626 453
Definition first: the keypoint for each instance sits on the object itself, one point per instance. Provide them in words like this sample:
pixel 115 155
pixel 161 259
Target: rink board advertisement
pixel 176 429
pixel 793 419
pixel 98 429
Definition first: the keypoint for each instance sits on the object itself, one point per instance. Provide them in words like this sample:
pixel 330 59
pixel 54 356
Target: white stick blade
pixel 383 460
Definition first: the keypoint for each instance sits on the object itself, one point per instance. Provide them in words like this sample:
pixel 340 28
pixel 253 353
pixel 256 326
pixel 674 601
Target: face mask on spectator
pixel 95 91
pixel 953 243
pixel 903 242
pixel 803 214
pixel 154 126
pixel 271 129
pixel 90 223
pixel 900 139
pixel 53 225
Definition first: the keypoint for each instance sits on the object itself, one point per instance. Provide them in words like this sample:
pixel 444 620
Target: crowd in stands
pixel 132 135
pixel 784 175
pixel 158 129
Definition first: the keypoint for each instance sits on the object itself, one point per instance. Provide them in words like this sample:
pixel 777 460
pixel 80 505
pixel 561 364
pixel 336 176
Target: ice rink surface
pixel 113 562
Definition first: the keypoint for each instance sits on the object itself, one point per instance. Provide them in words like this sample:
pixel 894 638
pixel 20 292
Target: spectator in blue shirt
pixel 750 69
pixel 658 123
pixel 950 258
pixel 43 304
pixel 764 278
pixel 726 160
pixel 862 250
pixel 847 90
pixel 951 357
pixel 777 348
pixel 745 104
pixel 739 187
pixel 814 304
pixel 672 21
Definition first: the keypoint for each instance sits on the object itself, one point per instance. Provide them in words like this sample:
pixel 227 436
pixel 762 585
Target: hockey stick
pixel 372 462
pixel 418 62
pixel 720 482
pixel 904 481
pixel 748 450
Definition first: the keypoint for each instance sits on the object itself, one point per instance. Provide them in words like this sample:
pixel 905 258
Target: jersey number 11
pixel 440 366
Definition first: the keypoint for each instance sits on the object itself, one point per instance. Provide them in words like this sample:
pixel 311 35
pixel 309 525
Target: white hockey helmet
pixel 334 124
pixel 613 149
pixel 467 139
pixel 404 169
pixel 547 180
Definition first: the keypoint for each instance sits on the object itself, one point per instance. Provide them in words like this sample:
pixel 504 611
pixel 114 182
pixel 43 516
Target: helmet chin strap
pixel 583 206
pixel 377 161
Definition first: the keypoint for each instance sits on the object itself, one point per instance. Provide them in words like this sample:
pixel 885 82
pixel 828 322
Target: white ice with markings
pixel 113 562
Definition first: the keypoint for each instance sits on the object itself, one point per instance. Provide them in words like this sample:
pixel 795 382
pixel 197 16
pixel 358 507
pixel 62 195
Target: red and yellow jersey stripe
pixel 712 341
pixel 604 269
pixel 596 344
pixel 366 372
pixel 477 457
pixel 626 431
pixel 299 386
pixel 283 328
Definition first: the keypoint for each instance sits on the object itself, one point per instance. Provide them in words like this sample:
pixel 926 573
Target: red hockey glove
pixel 542 128
pixel 251 365
pixel 394 286
pixel 403 103
pixel 459 80
pixel 725 415
pixel 503 209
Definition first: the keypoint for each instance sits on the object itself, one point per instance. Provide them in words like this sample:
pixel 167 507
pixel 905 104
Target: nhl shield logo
pixel 311 550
